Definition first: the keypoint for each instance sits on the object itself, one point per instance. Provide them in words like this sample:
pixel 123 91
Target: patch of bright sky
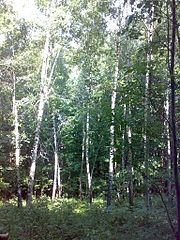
pixel 25 9
pixel 112 24
pixel 28 10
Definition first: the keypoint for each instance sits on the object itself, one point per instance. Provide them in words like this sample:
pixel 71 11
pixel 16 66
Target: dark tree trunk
pixel 173 120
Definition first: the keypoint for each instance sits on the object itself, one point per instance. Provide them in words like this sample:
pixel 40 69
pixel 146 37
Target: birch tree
pixel 17 140
pixel 167 117
pixel 87 141
pixel 57 174
pixel 147 108
pixel 168 145
pixel 113 105
pixel 82 160
pixel 112 129
pixel 46 78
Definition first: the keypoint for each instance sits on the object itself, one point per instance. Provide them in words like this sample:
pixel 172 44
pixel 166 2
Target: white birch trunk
pixel 146 115
pixel 55 161
pixel 45 83
pixel 35 149
pixel 168 150
pixel 87 157
pixel 17 143
pixel 146 152
pixel 82 161
pixel 113 105
pixel 59 181
pixel 112 131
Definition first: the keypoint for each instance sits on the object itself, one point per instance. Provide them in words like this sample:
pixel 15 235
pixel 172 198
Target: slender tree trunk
pixel 146 115
pixel 124 138
pixel 146 152
pixel 82 161
pixel 54 191
pixel 167 118
pixel 87 157
pixel 124 158
pixel 168 148
pixel 45 83
pixel 35 150
pixel 173 117
pixel 17 142
pixel 129 164
pixel 59 185
pixel 112 129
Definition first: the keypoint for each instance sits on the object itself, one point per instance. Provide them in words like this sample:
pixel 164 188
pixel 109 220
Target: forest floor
pixel 72 220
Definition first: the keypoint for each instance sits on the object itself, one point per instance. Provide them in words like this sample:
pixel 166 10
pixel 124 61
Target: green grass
pixel 72 219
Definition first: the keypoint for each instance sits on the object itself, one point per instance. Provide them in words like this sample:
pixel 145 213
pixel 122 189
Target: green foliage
pixel 82 82
pixel 71 219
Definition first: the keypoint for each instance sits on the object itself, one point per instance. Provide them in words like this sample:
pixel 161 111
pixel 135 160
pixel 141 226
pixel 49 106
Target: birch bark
pixel 45 83
pixel 112 128
pixel 59 185
pixel 168 148
pixel 17 141
pixel 87 157
pixel 82 161
pixel 56 165
pixel 167 117
pixel 146 112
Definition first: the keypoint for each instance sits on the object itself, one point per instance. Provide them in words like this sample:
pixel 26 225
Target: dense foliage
pixel 63 219
pixel 89 109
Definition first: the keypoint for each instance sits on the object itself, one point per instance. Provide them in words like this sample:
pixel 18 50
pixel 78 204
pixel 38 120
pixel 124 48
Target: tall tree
pixel 146 107
pixel 112 128
pixel 46 78
pixel 87 142
pixel 57 174
pixel 173 117
pixel 17 140
pixel 82 160
pixel 113 106
pixel 129 161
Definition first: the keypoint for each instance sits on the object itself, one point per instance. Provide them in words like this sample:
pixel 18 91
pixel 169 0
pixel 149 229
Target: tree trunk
pixel 167 118
pixel 168 149
pixel 55 181
pixel 146 114
pixel 173 118
pixel 129 162
pixel 35 150
pixel 123 160
pixel 82 161
pixel 45 83
pixel 17 142
pixel 112 129
pixel 124 157
pixel 59 185
pixel 87 157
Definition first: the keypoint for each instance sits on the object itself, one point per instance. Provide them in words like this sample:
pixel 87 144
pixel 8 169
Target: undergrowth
pixel 72 220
